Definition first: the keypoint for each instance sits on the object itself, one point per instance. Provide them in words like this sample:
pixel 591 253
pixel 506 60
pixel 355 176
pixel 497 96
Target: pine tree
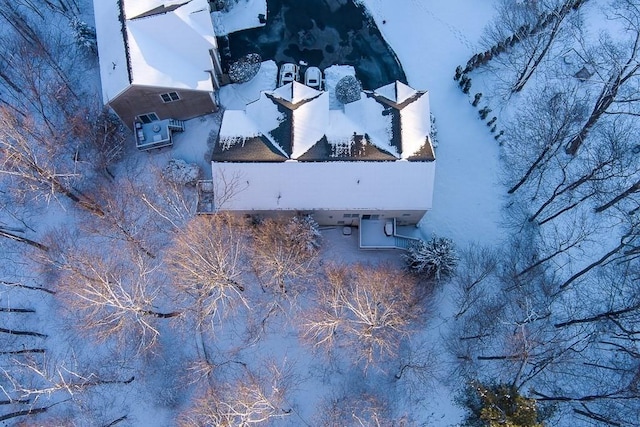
pixel 458 74
pixel 85 36
pixel 499 405
pixel 484 112
pixel 476 99
pixel 467 86
pixel 435 259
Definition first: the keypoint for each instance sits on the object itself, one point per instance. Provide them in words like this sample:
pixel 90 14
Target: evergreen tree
pixel 85 36
pixel 435 259
pixel 499 405
pixel 467 86
pixel 458 74
pixel 476 99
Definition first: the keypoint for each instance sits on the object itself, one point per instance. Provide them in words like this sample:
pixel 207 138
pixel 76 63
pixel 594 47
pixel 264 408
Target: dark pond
pixel 321 33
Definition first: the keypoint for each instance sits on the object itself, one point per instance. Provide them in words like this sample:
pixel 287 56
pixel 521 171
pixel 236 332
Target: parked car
pixel 313 78
pixel 288 73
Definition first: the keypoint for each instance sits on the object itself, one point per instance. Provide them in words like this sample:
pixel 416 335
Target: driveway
pixel 321 33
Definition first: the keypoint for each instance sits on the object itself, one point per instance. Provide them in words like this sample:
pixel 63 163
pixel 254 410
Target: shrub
pixel 348 89
pixel 245 68
pixel 180 172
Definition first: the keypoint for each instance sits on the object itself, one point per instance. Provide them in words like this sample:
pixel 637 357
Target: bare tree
pixel 476 265
pixel 245 399
pixel 207 262
pixel 34 156
pixel 545 122
pixel 173 203
pixel 356 409
pixel 524 35
pixel 285 251
pixel 108 139
pixel 367 309
pixel 622 71
pixel 113 293
pixel 33 385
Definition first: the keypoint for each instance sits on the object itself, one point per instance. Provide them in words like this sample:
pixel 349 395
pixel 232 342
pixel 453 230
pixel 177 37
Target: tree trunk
pixel 594 264
pixel 17 238
pixel 633 189
pixel 607 97
pixel 600 316
pixel 16 332
pixel 533 64
pixel 16 414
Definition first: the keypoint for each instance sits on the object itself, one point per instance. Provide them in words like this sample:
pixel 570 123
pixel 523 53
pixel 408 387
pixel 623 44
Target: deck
pixel 156 134
pixel 373 236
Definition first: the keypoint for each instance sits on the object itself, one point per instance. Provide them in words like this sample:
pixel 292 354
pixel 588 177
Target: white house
pixel 288 152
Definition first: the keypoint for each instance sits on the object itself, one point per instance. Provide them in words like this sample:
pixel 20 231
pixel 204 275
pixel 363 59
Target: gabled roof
pixel 272 120
pixel 162 43
pixel 371 117
pixel 143 8
pixel 310 122
pixel 410 117
pixel 294 93
pixel 298 120
pixel 396 92
pixel 415 126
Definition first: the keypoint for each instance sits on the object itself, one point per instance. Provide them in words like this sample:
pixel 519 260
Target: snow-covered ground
pixel 243 15
pixel 431 39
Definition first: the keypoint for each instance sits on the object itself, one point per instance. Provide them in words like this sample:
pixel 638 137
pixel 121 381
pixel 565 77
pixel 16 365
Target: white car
pixel 313 78
pixel 288 73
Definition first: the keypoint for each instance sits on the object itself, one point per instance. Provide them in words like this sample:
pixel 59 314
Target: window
pixel 366 216
pixel 169 96
pixel 148 117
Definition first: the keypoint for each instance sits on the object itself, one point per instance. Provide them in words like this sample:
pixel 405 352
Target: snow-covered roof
pixel 415 123
pixel 342 128
pixel 134 8
pixel 369 114
pixel 396 92
pixel 310 122
pixel 111 47
pixel 238 124
pixel 295 93
pixel 167 42
pixel 397 130
pixel 292 185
